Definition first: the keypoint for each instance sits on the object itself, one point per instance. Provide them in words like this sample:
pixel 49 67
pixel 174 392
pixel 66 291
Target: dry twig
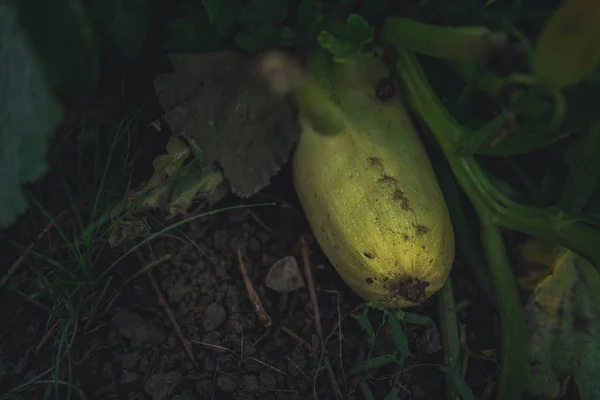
pixel 313 297
pixel 163 303
pixel 303 343
pixel 256 303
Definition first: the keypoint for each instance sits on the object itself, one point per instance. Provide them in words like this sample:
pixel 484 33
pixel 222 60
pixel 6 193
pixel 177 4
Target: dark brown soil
pixel 133 351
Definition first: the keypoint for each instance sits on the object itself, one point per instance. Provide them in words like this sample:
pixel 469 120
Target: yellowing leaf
pixel 567 49
pixel 165 166
pixel 563 326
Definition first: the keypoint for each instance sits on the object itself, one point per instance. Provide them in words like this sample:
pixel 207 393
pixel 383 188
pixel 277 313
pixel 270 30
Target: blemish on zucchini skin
pixel 369 255
pixel 369 280
pixel 404 202
pixel 421 230
pixel 409 288
pixel 386 179
pixel 375 161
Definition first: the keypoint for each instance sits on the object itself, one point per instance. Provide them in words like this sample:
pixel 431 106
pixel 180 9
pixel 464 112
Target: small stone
pixel 214 316
pixel 226 383
pixel 284 275
pixel 139 331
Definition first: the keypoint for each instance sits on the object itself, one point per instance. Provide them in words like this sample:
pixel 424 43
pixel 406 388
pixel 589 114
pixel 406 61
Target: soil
pixel 133 350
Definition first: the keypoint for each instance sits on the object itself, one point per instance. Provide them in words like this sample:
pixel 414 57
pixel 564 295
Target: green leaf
pixel 375 362
pixel 68 54
pixel 263 13
pixel 308 12
pixel 398 334
pixel 343 52
pixel 357 31
pixel 28 116
pixel 125 22
pixel 464 391
pixel 223 14
pixel 365 325
pixel 347 40
pixel 261 38
pixel 417 319
pixel 191 31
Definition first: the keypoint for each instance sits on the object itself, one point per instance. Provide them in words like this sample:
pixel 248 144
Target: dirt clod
pixel 160 386
pixel 139 331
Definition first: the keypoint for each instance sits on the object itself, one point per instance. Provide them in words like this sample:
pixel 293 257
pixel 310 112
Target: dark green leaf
pixel 125 22
pixel 68 53
pixel 308 12
pixel 266 13
pixel 28 115
pixel 343 52
pixel 261 38
pixel 358 31
pixel 393 394
pixel 463 390
pixel 375 362
pixel 417 319
pixel 192 32
pixel 247 42
pixel 223 14
pixel 365 388
pixel 365 324
pixel 398 334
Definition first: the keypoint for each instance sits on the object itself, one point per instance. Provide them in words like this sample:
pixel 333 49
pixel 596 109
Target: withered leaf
pixel 563 326
pixel 222 107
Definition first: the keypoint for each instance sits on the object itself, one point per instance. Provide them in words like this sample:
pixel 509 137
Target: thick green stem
pixel 496 209
pixel 449 328
pixel 549 224
pixel 584 174
pixel 513 357
pixel 453 43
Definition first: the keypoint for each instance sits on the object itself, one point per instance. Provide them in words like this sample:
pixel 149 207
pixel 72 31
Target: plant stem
pixel 513 343
pixel 449 329
pixel 549 224
pixel 584 174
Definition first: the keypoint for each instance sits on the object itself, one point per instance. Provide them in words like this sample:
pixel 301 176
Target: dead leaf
pixel 563 327
pixel 284 275
pixel 230 116
pixel 193 183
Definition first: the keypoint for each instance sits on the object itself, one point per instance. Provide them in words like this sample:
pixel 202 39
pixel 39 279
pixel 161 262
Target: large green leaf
pixel 125 22
pixel 28 115
pixel 63 39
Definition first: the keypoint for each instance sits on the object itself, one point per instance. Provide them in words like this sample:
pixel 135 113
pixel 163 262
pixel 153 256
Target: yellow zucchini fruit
pixel 370 193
